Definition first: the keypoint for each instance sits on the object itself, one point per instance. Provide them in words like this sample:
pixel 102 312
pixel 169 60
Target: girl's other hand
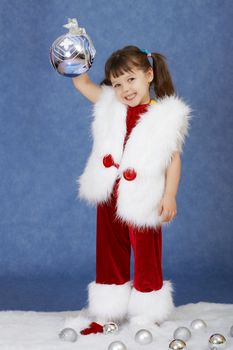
pixel 167 208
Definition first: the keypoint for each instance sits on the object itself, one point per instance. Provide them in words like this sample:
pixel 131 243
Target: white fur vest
pixel 158 134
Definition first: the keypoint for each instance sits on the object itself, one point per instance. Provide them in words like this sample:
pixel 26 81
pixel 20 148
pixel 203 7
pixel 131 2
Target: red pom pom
pixel 108 161
pixel 129 174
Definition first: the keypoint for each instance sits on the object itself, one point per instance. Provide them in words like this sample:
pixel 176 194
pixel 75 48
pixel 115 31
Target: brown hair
pixel 130 57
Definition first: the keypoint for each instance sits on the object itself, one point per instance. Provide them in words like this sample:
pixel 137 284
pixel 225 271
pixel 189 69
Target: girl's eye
pixel 116 85
pixel 131 79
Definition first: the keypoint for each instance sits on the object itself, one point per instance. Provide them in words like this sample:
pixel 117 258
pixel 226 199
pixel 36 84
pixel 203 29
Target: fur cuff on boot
pixel 108 302
pixel 146 309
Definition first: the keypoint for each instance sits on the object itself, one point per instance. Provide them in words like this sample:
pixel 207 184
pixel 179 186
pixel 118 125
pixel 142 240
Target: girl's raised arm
pixel 87 88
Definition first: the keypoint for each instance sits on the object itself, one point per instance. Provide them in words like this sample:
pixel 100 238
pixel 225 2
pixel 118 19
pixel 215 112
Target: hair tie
pixel 146 52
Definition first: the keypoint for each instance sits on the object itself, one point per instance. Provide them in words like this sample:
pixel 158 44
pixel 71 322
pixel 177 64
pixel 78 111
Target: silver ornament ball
pixel 117 345
pixel 182 333
pixel 143 337
pixel 231 331
pixel 110 328
pixel 73 53
pixel 68 334
pixel 217 341
pixel 198 324
pixel 177 344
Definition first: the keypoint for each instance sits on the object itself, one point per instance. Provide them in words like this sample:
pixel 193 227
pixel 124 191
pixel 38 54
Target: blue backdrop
pixel 47 248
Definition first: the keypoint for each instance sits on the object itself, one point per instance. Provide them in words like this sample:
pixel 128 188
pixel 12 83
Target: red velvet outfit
pixel 114 240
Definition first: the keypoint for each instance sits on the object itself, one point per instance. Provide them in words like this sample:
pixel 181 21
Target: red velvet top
pixel 133 116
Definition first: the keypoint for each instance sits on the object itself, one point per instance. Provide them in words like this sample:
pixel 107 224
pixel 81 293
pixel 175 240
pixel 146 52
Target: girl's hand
pixel 167 208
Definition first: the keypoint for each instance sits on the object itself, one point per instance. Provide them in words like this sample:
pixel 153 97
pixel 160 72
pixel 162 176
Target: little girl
pixel 132 176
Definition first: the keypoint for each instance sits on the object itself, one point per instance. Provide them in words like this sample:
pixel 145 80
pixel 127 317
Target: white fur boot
pixel 108 302
pixel 145 310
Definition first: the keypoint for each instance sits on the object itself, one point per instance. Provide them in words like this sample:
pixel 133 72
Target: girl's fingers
pixel 172 216
pixel 166 216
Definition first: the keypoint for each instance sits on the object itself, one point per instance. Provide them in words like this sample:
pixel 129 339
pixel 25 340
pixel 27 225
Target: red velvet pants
pixel 113 250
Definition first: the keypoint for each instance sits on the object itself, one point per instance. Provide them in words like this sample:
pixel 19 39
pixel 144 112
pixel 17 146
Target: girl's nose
pixel 126 88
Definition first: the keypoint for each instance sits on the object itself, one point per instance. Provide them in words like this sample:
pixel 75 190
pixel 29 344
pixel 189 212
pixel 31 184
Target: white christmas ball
pixel 68 334
pixel 117 345
pixel 143 336
pixel 182 333
pixel 198 324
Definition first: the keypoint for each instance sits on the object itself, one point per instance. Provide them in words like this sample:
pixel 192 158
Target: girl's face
pixel 133 88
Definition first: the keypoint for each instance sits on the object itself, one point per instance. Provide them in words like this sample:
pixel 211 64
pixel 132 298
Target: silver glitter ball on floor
pixel 117 345
pixel 110 328
pixel 198 324
pixel 217 341
pixel 177 344
pixel 182 333
pixel 143 337
pixel 231 331
pixel 68 334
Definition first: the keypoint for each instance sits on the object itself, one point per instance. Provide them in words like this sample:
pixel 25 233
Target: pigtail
pixel 162 81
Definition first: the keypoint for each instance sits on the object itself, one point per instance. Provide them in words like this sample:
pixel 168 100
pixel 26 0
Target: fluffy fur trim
pixel 108 302
pixel 108 131
pixel 152 307
pixel 159 133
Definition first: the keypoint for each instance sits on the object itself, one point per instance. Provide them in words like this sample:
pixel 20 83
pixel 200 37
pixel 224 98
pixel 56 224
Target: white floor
pixel 21 330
